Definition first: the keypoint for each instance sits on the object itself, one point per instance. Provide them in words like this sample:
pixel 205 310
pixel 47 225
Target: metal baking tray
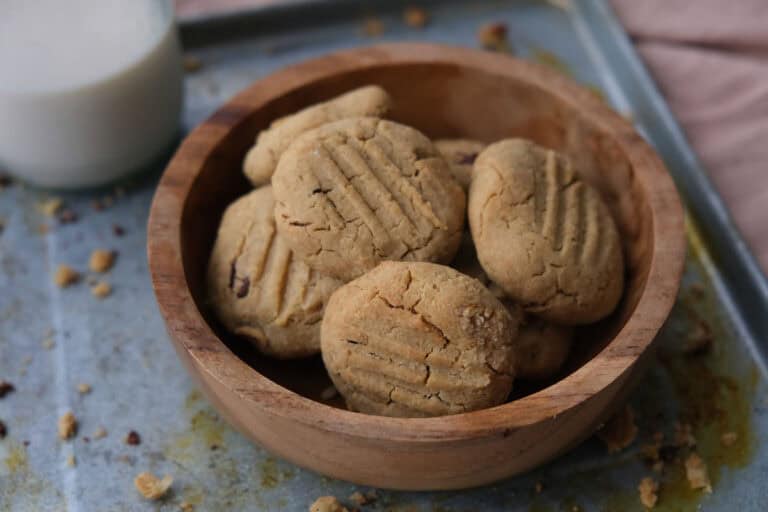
pixel 119 345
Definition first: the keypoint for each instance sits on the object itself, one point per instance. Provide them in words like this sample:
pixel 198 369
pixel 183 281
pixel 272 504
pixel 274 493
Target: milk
pixel 90 90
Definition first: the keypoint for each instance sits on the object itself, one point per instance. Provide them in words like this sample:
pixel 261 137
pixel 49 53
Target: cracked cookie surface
pixel 543 235
pixel 261 160
pixel 356 192
pixel 419 339
pixel 460 155
pixel 258 288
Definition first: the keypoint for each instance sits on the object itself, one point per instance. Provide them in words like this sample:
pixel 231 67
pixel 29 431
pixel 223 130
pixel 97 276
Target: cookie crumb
pixel 192 63
pixel 67 426
pixel 101 260
pixel 620 431
pixel 101 290
pixel 186 506
pixel 538 487
pixel 133 438
pixel 329 393
pixel 327 504
pixel 729 438
pixel 493 36
pixel 358 498
pixel 3 430
pixel 373 27
pixel 415 17
pixel 67 216
pixel 5 388
pixel 51 207
pixel 48 343
pixel 118 230
pixel 65 276
pixel 697 473
pixel 71 461
pixel 100 433
pixel 684 435
pixel 83 388
pixel 648 489
pixel 151 487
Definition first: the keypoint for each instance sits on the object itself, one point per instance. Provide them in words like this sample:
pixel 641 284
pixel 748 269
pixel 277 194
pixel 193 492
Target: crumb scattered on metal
pixel 151 487
pixel 71 462
pixel 65 276
pixel 67 216
pixel 373 27
pixel 83 388
pixel 327 504
pixel 186 506
pixel 118 230
pixel 48 343
pixel 697 473
pixel 415 17
pixel 133 438
pixel 67 426
pixel 51 207
pixel 620 431
pixel 648 489
pixel 100 433
pixel 493 36
pixel 101 289
pixel 5 388
pixel 101 260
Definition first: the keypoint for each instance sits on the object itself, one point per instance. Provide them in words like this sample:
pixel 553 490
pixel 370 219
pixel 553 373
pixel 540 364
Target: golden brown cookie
pixel 356 192
pixel 460 155
pixel 261 160
pixel 257 286
pixel 542 348
pixel 418 339
pixel 543 235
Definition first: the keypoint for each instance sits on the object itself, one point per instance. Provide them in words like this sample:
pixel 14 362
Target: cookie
pixel 261 160
pixel 418 339
pixel 542 348
pixel 259 289
pixel 357 192
pixel 543 235
pixel 460 155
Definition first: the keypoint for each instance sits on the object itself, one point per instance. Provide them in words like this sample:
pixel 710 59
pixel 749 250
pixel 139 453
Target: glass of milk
pixel 90 90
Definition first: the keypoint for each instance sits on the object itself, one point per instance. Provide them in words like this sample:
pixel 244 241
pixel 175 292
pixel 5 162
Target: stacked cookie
pixel 347 253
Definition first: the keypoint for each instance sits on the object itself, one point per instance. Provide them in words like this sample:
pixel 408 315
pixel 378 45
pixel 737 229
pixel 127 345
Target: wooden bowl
pixel 445 92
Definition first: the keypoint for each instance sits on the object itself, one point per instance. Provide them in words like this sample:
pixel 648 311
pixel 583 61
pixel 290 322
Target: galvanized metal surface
pixel 119 345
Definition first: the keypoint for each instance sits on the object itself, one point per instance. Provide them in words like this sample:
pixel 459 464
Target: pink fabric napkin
pixel 710 59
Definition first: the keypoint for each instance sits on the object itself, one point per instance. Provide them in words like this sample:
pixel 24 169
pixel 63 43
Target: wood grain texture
pixel 445 92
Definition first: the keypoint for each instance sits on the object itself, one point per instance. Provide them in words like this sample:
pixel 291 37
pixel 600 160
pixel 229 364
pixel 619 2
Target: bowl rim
pixel 183 318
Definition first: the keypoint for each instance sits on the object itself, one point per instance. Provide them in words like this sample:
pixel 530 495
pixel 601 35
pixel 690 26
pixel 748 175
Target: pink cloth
pixel 710 59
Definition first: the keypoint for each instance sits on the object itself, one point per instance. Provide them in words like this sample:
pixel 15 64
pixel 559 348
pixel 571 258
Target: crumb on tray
pixel 649 489
pixel 620 431
pixel 697 473
pixel 415 17
pixel 101 260
pixel 327 504
pixel 493 36
pixel 151 487
pixel 67 426
pixel 65 276
pixel 101 289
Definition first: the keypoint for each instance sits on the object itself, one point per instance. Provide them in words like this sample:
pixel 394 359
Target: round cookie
pixel 261 160
pixel 543 235
pixel 542 348
pixel 418 339
pixel 360 191
pixel 258 288
pixel 460 155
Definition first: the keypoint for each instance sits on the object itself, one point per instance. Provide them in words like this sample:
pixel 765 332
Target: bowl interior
pixel 442 100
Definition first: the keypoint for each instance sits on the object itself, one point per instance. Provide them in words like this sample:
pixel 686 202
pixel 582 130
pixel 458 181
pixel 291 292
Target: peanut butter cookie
pixel 542 348
pixel 543 235
pixel 418 339
pixel 460 155
pixel 261 160
pixel 356 192
pixel 258 288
